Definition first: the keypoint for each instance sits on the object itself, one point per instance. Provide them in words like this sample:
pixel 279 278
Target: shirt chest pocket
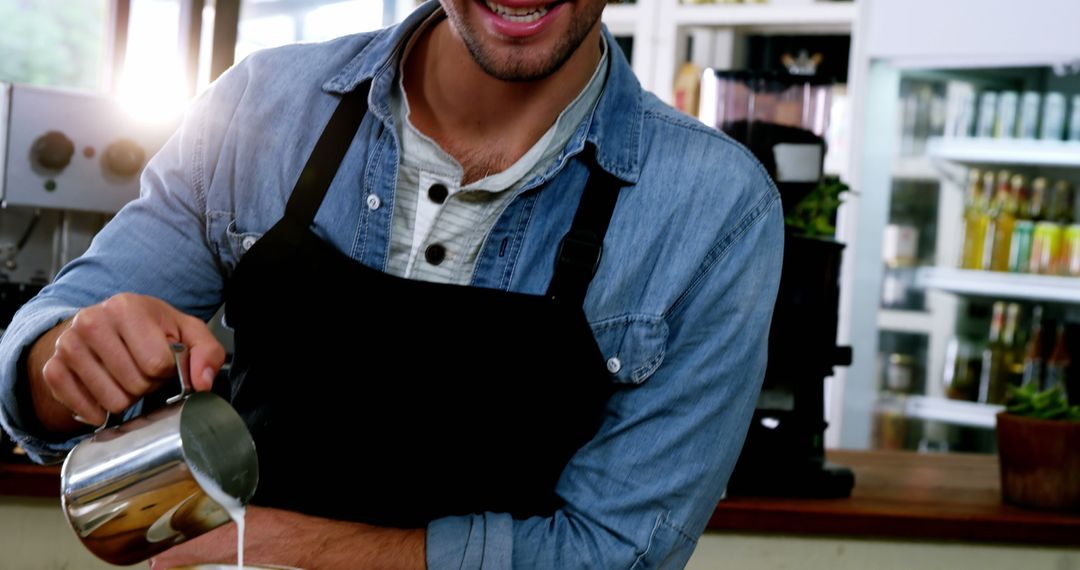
pixel 239 241
pixel 230 241
pixel 633 346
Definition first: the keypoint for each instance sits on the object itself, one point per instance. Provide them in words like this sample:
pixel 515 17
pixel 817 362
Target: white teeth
pixel 518 15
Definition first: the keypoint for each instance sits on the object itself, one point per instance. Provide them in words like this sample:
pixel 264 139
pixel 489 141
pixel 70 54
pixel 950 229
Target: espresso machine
pixel 782 118
pixel 68 160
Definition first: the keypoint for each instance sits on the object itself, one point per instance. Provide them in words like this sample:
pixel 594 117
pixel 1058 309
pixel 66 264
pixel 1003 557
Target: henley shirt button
pixel 438 193
pixel 435 254
pixel 373 202
pixel 247 242
pixel 614 365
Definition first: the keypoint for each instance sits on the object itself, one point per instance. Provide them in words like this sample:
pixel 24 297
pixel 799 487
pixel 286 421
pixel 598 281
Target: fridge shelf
pixel 955 412
pixel 916 169
pixel 1005 151
pixel 807 15
pixel 913 322
pixel 1000 285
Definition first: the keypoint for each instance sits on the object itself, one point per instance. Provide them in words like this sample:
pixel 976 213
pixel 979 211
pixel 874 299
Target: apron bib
pixel 391 401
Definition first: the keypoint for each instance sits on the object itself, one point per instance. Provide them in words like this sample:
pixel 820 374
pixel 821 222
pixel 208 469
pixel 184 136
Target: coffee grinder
pixel 782 119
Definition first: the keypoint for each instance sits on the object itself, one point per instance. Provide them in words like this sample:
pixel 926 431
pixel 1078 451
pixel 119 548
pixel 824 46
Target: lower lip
pixel 520 29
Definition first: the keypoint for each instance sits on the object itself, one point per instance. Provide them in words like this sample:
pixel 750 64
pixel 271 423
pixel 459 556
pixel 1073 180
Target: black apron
pixel 392 401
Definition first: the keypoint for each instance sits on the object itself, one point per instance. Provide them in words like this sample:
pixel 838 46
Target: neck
pixel 453 99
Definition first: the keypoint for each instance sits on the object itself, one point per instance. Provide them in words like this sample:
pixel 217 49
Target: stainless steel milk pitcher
pixel 129 491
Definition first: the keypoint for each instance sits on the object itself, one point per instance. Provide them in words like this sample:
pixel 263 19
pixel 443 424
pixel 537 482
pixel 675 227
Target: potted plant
pixel 1039 449
pixel 815 215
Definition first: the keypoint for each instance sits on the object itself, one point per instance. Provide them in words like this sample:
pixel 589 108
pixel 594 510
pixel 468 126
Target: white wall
pixel 35 536
pixel 753 552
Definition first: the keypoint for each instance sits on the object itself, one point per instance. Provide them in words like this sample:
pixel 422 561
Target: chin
pixel 526 47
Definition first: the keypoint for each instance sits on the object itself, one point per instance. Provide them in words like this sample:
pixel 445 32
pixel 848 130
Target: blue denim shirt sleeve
pixel 157 245
pixel 640 493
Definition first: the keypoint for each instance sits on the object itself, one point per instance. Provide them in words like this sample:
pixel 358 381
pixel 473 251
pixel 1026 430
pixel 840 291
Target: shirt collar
pixel 614 127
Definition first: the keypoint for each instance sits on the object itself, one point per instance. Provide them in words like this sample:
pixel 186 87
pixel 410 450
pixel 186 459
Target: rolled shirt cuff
pixel 481 542
pixel 16 409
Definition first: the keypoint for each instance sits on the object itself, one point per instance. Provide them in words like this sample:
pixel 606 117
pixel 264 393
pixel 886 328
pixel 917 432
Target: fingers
pixel 145 325
pixel 207 354
pixel 112 353
pixel 84 364
pixel 66 389
pixel 97 381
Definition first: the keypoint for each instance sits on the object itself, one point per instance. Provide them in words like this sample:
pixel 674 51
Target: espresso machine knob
pixel 52 151
pixel 124 157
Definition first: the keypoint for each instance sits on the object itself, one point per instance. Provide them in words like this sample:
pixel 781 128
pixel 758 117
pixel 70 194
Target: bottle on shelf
pixel 988 103
pixel 1074 120
pixel 1014 349
pixel 900 253
pixel 688 88
pixel 963 369
pixel 900 373
pixel 890 425
pixel 1058 365
pixel 1020 246
pixel 1008 104
pixel 1033 357
pixel 1037 203
pixel 1000 223
pixel 964 354
pixel 1045 248
pixel 960 115
pixel 976 221
pixel 1030 104
pixel 1053 116
pixel 1004 222
pixel 992 379
pixel 1061 204
pixel 1022 192
pixel 989 184
pixel 1070 252
pixel 1030 210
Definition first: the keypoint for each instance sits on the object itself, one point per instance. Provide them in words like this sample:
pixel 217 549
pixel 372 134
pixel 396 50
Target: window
pixel 270 23
pixel 56 43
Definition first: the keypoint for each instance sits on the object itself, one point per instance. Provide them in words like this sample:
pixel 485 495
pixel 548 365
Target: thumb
pixel 205 352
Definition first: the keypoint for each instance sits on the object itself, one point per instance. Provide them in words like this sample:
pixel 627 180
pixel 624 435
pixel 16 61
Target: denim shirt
pixel 680 305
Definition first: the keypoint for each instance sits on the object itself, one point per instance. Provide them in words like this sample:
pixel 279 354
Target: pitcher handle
pixel 182 357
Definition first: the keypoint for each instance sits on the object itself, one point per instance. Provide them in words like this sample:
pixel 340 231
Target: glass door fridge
pixel 965 272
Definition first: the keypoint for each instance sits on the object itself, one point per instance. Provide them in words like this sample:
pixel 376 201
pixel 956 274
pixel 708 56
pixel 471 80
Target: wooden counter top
pixel 27 480
pixel 897 495
pixel 906 495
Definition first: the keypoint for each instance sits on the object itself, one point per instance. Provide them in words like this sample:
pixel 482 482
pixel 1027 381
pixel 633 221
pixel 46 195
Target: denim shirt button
pixel 248 242
pixel 373 202
pixel 614 365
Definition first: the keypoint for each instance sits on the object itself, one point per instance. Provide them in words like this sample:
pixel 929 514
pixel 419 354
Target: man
pixel 572 406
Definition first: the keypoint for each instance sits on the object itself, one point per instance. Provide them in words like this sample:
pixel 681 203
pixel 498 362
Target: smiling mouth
pixel 519 15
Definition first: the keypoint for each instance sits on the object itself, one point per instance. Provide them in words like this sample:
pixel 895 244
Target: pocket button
pixel 373 202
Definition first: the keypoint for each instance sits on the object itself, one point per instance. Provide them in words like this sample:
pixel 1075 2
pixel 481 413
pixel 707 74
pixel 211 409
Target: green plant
pixel 814 215
pixel 1049 404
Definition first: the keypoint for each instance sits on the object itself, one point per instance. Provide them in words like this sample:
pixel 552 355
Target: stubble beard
pixel 522 70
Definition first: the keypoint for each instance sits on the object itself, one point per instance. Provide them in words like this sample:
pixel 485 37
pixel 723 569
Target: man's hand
pixel 292 539
pixel 111 354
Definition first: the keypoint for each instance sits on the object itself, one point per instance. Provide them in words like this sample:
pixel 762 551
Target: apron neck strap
pixel 579 251
pixel 582 247
pixel 325 159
